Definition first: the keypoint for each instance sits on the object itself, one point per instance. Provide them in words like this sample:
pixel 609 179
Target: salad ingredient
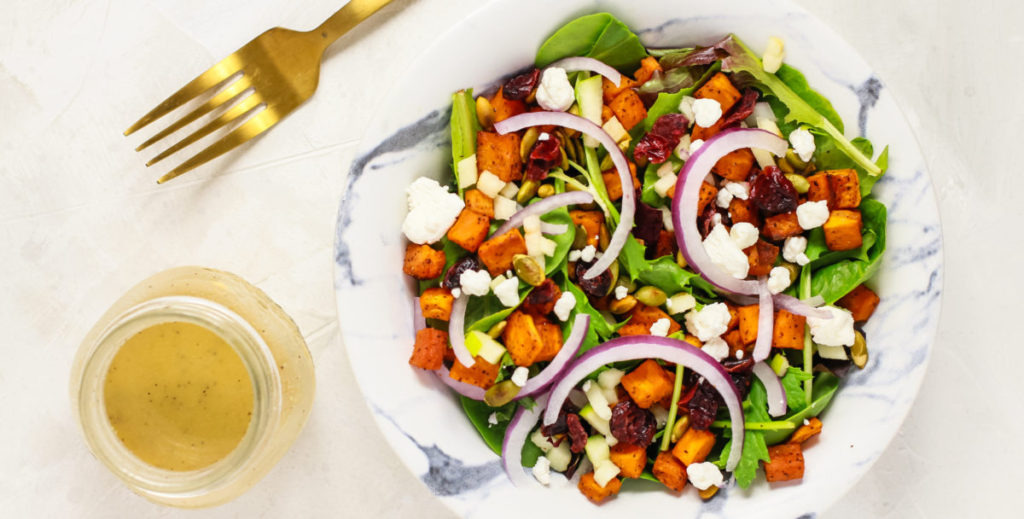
pixel 500 394
pixel 590 65
pixel 651 296
pixel 515 438
pixel 836 331
pixel 642 317
pixel 726 253
pixel 542 471
pixel 522 339
pixel 588 97
pixel 519 87
pixel 436 303
pixel 479 202
pixel 453 276
pixel 600 36
pixel 490 184
pixel 542 300
pixel 475 282
pixel 631 459
pixel 787 463
pixel 467 390
pixel 773 54
pixel 808 430
pixel 469 230
pixel 595 492
pixel 631 424
pixel 704 475
pixel 789 329
pixel 422 261
pixel 669 471
pixel 782 226
pixel 694 446
pixel 528 270
pixel 484 346
pixel 467 172
pixel 708 322
pixel 465 123
pixel 773 386
pixel 565 304
pixel 555 93
pixel 799 182
pixel 456 330
pixel 765 325
pixel 545 206
pixel 560 362
pixel 843 230
pixel 772 192
pixel 778 280
pixel 813 214
pixel 498 154
pixel 844 186
pixel 432 210
pixel 508 292
pixel 498 251
pixel 794 250
pixel 706 112
pixel 803 145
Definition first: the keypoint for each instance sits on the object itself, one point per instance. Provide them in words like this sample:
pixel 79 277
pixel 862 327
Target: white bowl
pixel 422 420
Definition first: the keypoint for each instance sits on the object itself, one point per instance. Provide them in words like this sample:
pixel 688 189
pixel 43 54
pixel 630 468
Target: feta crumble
pixel 508 292
pixel 724 198
pixel 837 331
pixel 574 255
pixel 778 280
pixel 794 250
pixel 716 348
pixel 520 375
pixel 542 471
pixel 706 112
pixel 708 322
pixel 432 210
pixel 554 92
pixel 588 252
pixel 724 252
pixel 812 214
pixel 704 475
pixel 739 190
pixel 744 234
pixel 475 282
pixel 564 305
pixel 803 143
pixel 661 327
pixel 492 419
pixel 621 292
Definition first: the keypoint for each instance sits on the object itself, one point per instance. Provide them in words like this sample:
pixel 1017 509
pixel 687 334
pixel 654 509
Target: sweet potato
pixel 428 350
pixel 806 431
pixel 666 244
pixel 648 66
pixel 670 471
pixel 694 446
pixel 787 463
pixel 720 89
pixel 610 91
pixel 614 185
pixel 606 114
pixel 542 299
pixel 648 383
pixel 436 303
pixel 820 189
pixel 469 230
pixel 748 322
pixel 499 154
pixel 782 226
pixel 497 252
pixel 630 459
pixel 861 302
pixel 702 133
pixel 628 108
pixel 550 337
pixel 842 230
pixel 482 374
pixel 761 256
pixel 735 166
pixel 591 221
pixel 596 493
pixel 845 188
pixel 641 319
pixel 505 108
pixel 732 338
pixel 744 211
pixel 708 195
pixel 423 262
pixel 734 316
pixel 522 339
pixel 480 203
pixel 788 330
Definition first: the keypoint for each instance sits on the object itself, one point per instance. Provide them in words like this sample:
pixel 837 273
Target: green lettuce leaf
pixel 835 279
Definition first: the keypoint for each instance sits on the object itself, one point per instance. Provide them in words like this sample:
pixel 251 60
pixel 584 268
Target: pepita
pixel 801 184
pixel 526 191
pixel 497 329
pixel 859 350
pixel 651 296
pixel 484 112
pixel 528 269
pixel 622 306
pixel 501 393
pixel 545 190
pixel 682 424
pixel 527 142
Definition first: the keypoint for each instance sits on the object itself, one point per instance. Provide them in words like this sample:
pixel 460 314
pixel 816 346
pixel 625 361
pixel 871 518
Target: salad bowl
pixel 423 421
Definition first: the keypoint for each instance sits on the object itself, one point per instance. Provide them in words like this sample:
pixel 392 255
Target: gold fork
pixel 264 80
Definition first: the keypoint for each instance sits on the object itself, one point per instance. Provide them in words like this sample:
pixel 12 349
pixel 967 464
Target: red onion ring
pixel 558 365
pixel 776 393
pixel 543 207
pixel 515 438
pixel 457 331
pixel 462 388
pixel 590 65
pixel 765 322
pixel 418 321
pixel 626 214
pixel 805 308
pixel 651 347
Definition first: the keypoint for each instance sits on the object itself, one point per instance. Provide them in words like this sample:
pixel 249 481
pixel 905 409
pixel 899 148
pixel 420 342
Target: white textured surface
pixel 81 221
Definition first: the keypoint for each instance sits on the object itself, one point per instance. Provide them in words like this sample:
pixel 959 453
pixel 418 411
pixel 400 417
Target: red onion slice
pixel 636 347
pixel 457 331
pixel 687 193
pixel 558 365
pixel 590 65
pixel 515 438
pixel 462 388
pixel 418 321
pixel 543 207
pixel 776 393
pixel 805 308
pixel 765 322
pixel 626 214
pixel 553 228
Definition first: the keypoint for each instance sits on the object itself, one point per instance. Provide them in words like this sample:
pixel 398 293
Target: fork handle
pixel 354 12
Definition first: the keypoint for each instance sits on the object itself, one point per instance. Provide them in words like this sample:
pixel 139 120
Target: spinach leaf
pixel 479 413
pixel 600 36
pixel 837 279
pixel 755 450
pixel 600 329
pixel 663 273
pixel 825 385
pixel 464 126
pixel 793 382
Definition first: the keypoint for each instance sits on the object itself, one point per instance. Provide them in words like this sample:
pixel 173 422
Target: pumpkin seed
pixel 859 350
pixel 682 424
pixel 565 157
pixel 800 183
pixel 527 142
pixel 794 160
pixel 545 190
pixel 708 493
pixel 528 269
pixel 622 306
pixel 526 191
pixel 580 240
pixel 794 270
pixel 484 112
pixel 681 260
pixel 501 393
pixel 497 329
pixel 651 296
pixel 613 269
pixel 603 239
pixel 786 167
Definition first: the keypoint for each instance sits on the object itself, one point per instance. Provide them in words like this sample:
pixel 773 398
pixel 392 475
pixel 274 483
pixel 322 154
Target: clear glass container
pixel 266 340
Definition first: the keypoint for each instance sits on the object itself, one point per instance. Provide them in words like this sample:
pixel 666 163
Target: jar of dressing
pixel 192 386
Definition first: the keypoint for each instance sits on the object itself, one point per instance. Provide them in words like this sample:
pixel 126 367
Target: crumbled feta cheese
pixel 740 354
pixel 710 321
pixel 492 419
pixel 665 184
pixel 621 292
pixel 812 214
pixel 744 234
pixel 544 136
pixel 504 208
pixel 739 190
pixel 803 143
pixel 773 53
pixel 508 292
pixel 683 148
pixel 564 305
pixel 794 250
pixel 778 280
pixel 661 327
pixel 588 252
pixel 706 112
pixel 837 331
pixel 432 210
pixel 716 347
pixel 574 255
pixel 686 107
pixel 666 219
pixel 456 292
pixel 679 303
pixel 520 375
pixel 724 198
pixel 509 191
pixel 489 184
pixel 467 171
pixel 695 145
pixel 475 282
pixel 542 471
pixel 704 475
pixel 554 92
pixel 531 224
pixel 724 252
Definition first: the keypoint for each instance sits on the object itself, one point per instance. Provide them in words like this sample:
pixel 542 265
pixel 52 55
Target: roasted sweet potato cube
pixel 806 431
pixel 522 339
pixel 648 66
pixel 497 252
pixel 631 459
pixel 788 330
pixel 628 108
pixel 666 244
pixel 480 203
pixel 648 383
pixel 505 108
pixel 550 337
pixel 436 303
pixel 541 300
pixel 423 262
pixel 845 188
pixel 591 221
pixel 787 463
pixel 481 374
pixel 744 211
pixel 606 114
pixel 708 194
pixel 670 471
pixel 614 185
pixel 469 230
pixel 596 493
pixel 820 189
pixel 499 154
pixel 842 230
pixel 861 302
pixel 702 133
pixel 694 446
pixel 732 338
pixel 748 323
pixel 610 90
pixel 641 319
pixel 761 256
pixel 734 316
pixel 428 350
pixel 782 226
pixel 735 165
pixel 720 89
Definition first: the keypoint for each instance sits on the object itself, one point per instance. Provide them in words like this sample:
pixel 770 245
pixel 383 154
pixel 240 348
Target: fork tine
pixel 240 109
pixel 213 76
pixel 256 125
pixel 224 97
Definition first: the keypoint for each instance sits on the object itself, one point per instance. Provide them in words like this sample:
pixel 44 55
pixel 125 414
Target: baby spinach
pixel 600 36
pixel 479 414
pixel 836 279
pixel 825 385
pixel 600 329
pixel 662 272
pixel 464 126
pixel 755 450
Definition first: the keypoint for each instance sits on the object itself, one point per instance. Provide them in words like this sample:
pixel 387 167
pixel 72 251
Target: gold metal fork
pixel 264 80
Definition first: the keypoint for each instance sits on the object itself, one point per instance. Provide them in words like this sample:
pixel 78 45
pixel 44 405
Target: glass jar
pixel 271 350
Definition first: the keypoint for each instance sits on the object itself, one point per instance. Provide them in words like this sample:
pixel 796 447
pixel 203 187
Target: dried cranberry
pixel 632 424
pixel 596 286
pixel 451 278
pixel 703 407
pixel 664 136
pixel 520 86
pixel 574 463
pixel 545 155
pixel 772 192
pixel 742 109
pixel 686 396
pixel 739 366
pixel 560 426
pixel 577 435
pixel 649 223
